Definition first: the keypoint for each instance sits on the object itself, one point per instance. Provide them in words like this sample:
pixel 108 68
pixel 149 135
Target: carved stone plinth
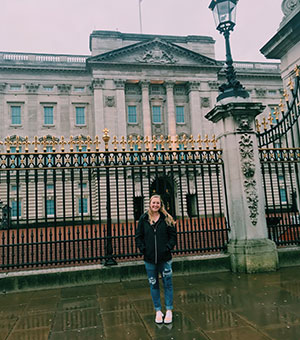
pixel 249 246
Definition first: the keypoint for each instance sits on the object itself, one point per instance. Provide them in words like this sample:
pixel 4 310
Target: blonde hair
pixel 169 218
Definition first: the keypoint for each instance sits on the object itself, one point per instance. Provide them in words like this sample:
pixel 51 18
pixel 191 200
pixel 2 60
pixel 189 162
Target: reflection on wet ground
pixel 217 306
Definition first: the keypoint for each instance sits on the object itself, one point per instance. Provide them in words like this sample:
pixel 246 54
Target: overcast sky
pixel 64 26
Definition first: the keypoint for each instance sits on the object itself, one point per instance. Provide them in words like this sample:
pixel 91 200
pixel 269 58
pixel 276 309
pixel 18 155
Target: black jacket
pixel 155 241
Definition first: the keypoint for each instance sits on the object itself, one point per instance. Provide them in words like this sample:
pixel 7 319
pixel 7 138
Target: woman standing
pixel 156 237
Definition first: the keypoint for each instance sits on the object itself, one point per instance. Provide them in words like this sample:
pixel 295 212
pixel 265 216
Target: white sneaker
pixel 159 317
pixel 169 317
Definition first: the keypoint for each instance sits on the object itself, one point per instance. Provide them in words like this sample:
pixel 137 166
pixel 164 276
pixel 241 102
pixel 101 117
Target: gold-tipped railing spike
pixel 8 144
pixel 290 84
pixel 53 143
pixel 286 95
pixel 154 142
pixel 45 143
pixel 26 143
pixel 71 142
pixel 270 118
pixel 276 113
pixel 176 142
pixel 281 105
pixel 147 143
pixel 192 142
pixel 130 142
pixel 88 143
pixel 214 141
pixel 36 143
pixel 123 143
pixel 115 143
pixel 169 142
pixel 106 138
pixel 257 125
pixel 184 141
pixel 62 143
pixel 161 142
pixel 199 141
pixel 206 141
pixel 265 123
pixel 80 142
pixel 97 142
pixel 139 142
pixel 17 143
pixel 297 70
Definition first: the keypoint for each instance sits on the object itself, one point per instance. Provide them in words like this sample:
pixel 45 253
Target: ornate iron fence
pixel 280 157
pixel 71 203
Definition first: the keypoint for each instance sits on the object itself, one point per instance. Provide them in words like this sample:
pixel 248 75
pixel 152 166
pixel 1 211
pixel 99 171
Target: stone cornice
pixel 286 37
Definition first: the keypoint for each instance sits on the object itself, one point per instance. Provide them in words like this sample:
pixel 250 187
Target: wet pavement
pixel 217 306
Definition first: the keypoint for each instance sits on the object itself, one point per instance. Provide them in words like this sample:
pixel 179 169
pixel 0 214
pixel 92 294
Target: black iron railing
pixel 281 186
pixel 69 207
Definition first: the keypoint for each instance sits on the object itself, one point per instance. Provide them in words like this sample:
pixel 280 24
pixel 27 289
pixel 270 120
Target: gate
pixel 280 160
pixel 68 203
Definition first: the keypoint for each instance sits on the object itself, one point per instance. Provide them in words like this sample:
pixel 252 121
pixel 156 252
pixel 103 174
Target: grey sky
pixel 64 26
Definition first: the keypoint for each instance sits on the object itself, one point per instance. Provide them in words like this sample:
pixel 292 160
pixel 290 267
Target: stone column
pixel 146 109
pixel 194 104
pixel 98 106
pixel 171 109
pixel 29 123
pixel 249 248
pixel 5 122
pixel 121 121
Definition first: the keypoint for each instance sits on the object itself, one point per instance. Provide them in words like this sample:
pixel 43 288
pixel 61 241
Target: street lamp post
pixel 225 16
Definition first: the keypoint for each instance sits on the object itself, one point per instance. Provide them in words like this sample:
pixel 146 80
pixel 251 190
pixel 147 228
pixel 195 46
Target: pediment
pixel 154 52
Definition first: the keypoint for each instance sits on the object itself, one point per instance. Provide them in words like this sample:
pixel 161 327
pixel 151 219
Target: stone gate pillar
pixel 249 247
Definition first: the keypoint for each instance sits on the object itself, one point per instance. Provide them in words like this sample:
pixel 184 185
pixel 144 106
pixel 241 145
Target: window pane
pixel 50 207
pixel 80 116
pixel 179 114
pixel 14 208
pixel 16 115
pixel 283 195
pixel 48 115
pixel 156 114
pixel 83 207
pixel 132 118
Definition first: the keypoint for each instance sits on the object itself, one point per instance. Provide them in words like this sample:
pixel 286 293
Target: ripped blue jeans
pixel 165 268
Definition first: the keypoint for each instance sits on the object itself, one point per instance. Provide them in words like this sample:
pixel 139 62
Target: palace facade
pixel 131 84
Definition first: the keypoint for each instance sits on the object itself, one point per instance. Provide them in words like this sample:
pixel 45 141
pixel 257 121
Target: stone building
pixel 131 84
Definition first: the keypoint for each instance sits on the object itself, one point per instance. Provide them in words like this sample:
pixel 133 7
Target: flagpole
pixel 140 14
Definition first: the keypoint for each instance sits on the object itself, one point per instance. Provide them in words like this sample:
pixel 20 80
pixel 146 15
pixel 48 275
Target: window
pixel 179 90
pixel 48 115
pixel 179 114
pixel 16 208
pixel 50 207
pixel 156 89
pixel 15 87
pixel 83 185
pixel 83 205
pixel 78 88
pixel 283 196
pixel 191 202
pixel 132 117
pixel 80 115
pixel 15 115
pixel 48 88
pixel 156 114
pixel 14 188
pixel 50 187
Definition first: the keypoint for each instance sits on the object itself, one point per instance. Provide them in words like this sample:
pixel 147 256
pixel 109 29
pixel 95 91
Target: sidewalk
pixel 216 306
